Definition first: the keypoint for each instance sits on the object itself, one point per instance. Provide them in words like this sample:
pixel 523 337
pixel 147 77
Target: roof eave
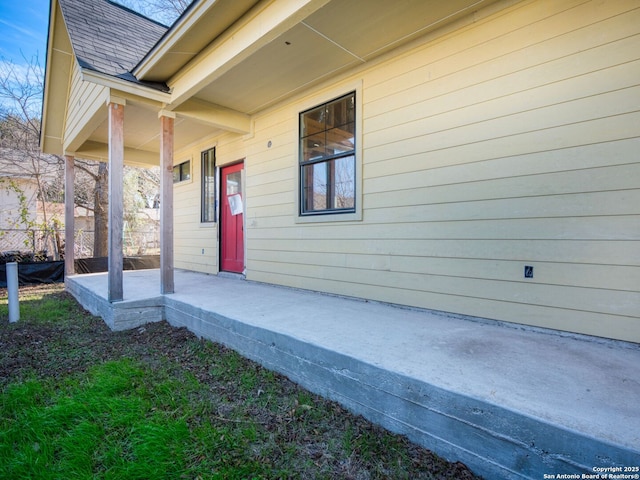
pixel 47 77
pixel 185 22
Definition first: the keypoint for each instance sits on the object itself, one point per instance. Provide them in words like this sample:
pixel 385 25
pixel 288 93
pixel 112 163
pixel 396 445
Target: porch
pixel 508 401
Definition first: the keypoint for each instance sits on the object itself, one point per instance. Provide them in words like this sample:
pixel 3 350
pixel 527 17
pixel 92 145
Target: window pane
pixel 329 185
pixel 340 112
pixel 327 157
pixel 314 188
pixel 313 121
pixel 182 172
pixel 340 140
pixel 208 186
pixel 185 171
pixel 343 180
pixel 313 147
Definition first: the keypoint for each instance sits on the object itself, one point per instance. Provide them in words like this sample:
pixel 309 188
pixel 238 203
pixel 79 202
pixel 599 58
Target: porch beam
pixel 99 152
pixel 69 215
pixel 116 203
pixel 167 120
pixel 215 115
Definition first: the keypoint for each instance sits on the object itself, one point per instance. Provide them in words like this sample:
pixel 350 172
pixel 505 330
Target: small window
pixel 209 186
pixel 182 172
pixel 328 157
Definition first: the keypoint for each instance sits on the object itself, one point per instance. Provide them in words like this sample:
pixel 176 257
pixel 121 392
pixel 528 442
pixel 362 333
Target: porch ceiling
pixel 335 36
pixel 142 136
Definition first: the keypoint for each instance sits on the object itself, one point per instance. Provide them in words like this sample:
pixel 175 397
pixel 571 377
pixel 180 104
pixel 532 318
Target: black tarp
pixel 101 264
pixel 35 272
pixel 53 272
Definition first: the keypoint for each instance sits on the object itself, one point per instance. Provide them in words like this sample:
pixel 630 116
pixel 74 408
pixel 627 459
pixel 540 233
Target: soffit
pixel 367 28
pixel 298 58
pixel 336 37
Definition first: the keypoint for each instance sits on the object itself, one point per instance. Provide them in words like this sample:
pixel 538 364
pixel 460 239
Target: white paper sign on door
pixel 235 204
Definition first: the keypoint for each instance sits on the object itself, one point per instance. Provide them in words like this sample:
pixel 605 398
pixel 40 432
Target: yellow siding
pixel 85 98
pixel 196 243
pixel 513 141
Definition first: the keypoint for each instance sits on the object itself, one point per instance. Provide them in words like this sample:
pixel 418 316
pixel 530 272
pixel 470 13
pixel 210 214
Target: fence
pixel 134 243
pixel 28 245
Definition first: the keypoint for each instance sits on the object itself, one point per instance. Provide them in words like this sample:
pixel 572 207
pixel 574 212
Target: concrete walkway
pixel 508 401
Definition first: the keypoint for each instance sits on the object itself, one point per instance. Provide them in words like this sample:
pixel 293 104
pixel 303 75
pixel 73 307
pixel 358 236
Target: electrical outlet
pixel 528 271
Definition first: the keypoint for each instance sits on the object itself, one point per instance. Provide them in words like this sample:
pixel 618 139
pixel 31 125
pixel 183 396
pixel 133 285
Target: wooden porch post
pixel 166 202
pixel 116 204
pixel 69 217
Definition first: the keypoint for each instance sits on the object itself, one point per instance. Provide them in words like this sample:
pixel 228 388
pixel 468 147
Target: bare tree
pixel 20 100
pixel 21 88
pixel 21 93
pixel 92 178
pixel 163 11
pixel 141 193
pixel 20 107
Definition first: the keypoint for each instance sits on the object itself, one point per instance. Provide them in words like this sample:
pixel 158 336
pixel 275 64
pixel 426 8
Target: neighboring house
pixel 21 212
pixel 18 190
pixel 474 157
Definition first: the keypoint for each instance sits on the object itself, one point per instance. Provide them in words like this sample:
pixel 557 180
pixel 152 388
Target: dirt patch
pixel 331 442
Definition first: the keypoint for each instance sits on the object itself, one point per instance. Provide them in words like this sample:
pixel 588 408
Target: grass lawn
pixel 79 401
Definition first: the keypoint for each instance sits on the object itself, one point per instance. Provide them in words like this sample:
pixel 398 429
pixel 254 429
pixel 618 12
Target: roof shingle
pixel 108 37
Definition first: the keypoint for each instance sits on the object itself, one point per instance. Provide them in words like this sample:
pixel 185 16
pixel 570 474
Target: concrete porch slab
pixel 508 401
pixel 140 305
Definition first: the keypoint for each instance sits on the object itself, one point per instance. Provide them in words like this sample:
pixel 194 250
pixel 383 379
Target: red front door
pixel 231 220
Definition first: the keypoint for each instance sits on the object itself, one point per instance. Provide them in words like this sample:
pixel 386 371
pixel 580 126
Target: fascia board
pixel 49 143
pixel 125 86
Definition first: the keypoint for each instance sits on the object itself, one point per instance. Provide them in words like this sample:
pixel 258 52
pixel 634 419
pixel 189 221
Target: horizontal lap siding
pixel 85 98
pixel 271 174
pixel 196 243
pixel 511 142
pixel 191 239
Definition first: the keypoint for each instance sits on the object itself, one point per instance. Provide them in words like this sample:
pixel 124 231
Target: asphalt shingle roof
pixel 108 37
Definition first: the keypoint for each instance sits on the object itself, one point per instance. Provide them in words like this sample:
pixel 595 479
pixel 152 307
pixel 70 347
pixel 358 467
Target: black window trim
pixel 351 153
pixel 179 167
pixel 202 187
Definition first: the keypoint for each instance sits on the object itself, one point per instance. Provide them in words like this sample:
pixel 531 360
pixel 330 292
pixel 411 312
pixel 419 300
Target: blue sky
pixel 23 29
pixel 23 39
pixel 23 24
